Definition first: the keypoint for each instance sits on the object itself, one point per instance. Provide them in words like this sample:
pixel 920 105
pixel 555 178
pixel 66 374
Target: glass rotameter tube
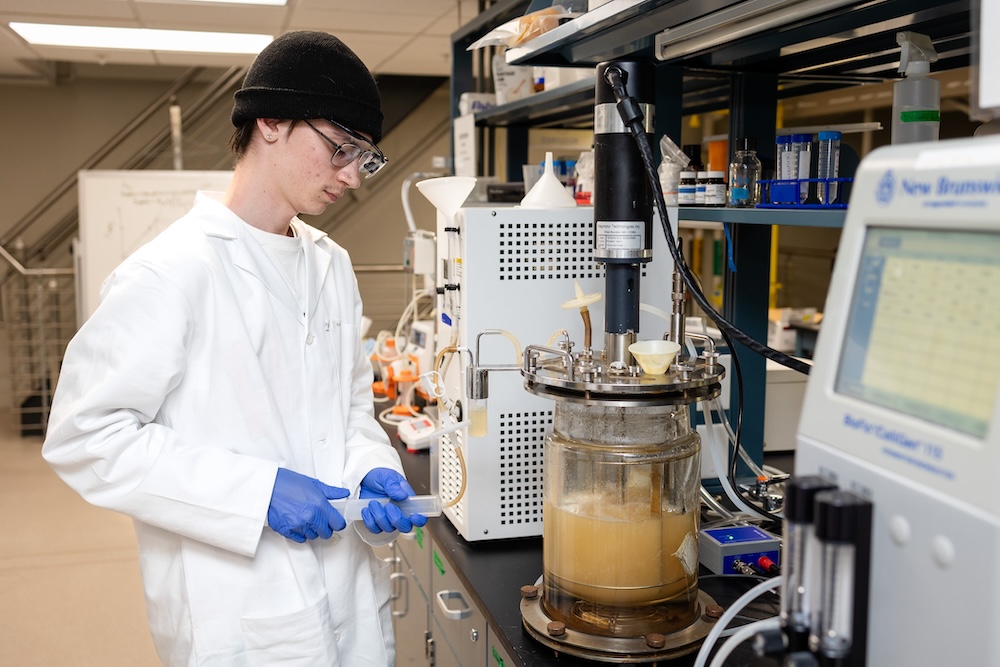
pixel 799 529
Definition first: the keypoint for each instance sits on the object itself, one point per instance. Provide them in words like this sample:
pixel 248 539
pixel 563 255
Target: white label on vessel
pixel 620 235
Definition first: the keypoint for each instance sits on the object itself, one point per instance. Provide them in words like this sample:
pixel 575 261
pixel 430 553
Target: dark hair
pixel 239 143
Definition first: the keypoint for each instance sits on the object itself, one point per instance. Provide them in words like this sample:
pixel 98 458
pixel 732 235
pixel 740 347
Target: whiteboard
pixel 122 210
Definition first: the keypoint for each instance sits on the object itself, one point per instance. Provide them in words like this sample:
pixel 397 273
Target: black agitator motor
pixel 623 204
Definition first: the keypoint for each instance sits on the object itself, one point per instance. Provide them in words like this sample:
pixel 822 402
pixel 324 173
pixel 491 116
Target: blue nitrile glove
pixel 382 483
pixel 300 507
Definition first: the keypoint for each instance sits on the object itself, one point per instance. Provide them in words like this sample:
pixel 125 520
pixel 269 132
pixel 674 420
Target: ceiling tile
pixel 109 56
pixel 10 10
pixel 202 59
pixel 427 55
pixel 391 36
pixel 338 22
pixel 216 18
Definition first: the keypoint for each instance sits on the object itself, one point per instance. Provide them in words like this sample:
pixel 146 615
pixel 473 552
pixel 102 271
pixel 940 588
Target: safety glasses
pixel 370 160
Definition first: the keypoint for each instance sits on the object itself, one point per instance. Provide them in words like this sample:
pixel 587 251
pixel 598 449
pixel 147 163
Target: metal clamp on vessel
pixel 583 376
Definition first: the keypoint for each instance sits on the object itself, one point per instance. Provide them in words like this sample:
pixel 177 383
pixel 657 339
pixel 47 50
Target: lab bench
pixel 457 603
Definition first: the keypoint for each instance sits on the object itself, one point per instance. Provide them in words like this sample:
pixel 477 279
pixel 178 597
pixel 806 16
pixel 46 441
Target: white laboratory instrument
pixel 415 433
pixel 510 268
pixel 902 401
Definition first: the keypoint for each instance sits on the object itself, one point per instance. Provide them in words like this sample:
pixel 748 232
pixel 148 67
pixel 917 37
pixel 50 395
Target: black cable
pixel 738 371
pixel 632 116
pixel 734 461
pixel 631 113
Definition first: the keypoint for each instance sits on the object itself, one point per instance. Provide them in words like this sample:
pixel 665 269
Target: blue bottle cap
pixel 828 135
pixel 782 139
pixel 802 138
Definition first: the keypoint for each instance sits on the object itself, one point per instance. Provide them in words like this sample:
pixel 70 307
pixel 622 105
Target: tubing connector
pixel 583 301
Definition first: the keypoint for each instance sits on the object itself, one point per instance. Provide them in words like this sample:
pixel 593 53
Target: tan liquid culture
pixel 622 557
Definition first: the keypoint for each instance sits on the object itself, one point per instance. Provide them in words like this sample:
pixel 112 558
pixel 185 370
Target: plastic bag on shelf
pixel 673 162
pixel 520 30
pixel 512 82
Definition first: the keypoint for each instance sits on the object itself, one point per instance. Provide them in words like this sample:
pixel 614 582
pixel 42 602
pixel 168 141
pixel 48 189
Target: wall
pixel 53 130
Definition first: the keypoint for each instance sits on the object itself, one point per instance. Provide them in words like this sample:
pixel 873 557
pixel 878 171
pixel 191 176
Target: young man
pixel 219 395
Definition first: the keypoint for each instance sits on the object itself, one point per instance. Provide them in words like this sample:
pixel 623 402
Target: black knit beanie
pixel 304 75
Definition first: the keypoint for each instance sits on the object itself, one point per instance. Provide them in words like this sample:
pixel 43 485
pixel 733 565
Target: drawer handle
pixel 404 585
pixel 453 614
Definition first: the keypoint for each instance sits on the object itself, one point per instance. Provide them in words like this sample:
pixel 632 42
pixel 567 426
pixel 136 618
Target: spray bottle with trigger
pixel 916 99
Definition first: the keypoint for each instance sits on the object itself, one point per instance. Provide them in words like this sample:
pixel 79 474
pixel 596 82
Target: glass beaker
pixel 621 507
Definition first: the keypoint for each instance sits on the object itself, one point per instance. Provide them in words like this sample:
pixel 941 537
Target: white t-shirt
pixel 286 252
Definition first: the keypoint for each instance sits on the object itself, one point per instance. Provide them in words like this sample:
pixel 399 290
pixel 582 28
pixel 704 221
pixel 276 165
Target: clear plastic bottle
pixel 916 99
pixel 744 175
pixel 802 145
pixel 828 166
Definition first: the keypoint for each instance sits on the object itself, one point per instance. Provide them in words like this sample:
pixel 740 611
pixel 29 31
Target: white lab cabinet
pixel 454 611
pixel 436 621
pixel 410 612
pixel 496 654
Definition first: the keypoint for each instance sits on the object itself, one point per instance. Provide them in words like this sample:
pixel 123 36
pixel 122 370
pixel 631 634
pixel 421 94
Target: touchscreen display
pixel 923 334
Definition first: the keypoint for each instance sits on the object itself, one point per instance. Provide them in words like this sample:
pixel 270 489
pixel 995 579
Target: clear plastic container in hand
pixel 350 508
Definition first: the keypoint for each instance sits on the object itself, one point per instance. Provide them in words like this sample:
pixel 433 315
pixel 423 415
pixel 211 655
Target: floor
pixel 70 592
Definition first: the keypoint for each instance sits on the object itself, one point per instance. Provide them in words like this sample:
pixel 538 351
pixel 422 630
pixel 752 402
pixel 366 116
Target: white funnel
pixel 447 193
pixel 548 191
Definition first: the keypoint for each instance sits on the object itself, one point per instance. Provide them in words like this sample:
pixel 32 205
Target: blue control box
pixel 718 548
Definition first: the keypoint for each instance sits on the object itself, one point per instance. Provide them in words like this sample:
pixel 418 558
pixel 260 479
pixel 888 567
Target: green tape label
pixel 922 116
pixel 496 656
pixel 438 563
pixel 418 535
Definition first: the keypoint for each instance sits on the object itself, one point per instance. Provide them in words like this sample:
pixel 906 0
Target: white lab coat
pixel 195 379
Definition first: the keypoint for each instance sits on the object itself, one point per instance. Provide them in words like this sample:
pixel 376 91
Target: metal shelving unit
pixel 795 217
pixel 825 44
pixel 716 55
pixel 852 43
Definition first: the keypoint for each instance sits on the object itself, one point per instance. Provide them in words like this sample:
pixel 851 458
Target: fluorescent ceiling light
pixel 140 39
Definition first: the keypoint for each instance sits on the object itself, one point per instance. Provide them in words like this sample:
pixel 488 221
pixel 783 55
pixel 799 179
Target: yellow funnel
pixel 654 356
